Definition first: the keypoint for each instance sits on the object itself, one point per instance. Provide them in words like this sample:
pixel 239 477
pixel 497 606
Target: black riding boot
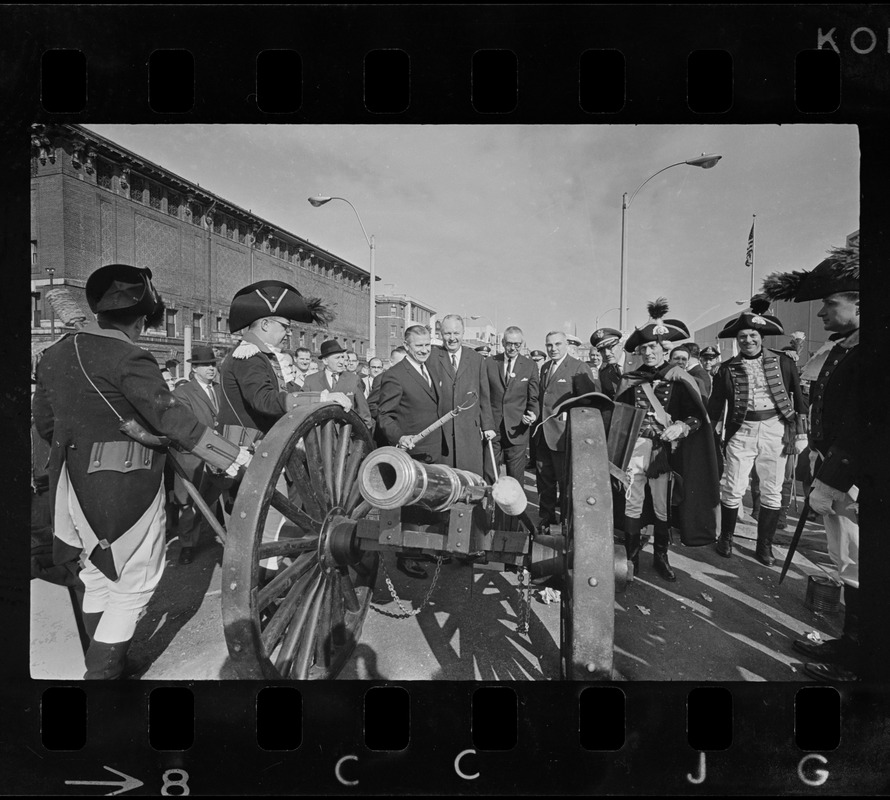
pixel 660 560
pixel 105 661
pixel 766 529
pixel 728 517
pixel 632 541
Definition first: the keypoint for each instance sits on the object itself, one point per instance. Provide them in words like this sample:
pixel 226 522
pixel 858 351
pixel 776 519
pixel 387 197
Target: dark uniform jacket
pixel 407 406
pixel 703 379
pixel 730 389
pixel 609 377
pixel 463 433
pixel 349 384
pixel 557 385
pixel 511 400
pixel 695 459
pixel 115 478
pixel 836 429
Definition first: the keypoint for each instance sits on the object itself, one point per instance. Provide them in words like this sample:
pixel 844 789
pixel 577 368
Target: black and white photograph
pixel 445 402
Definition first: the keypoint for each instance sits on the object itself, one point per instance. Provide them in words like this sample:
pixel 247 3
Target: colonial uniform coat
pixel 511 397
pixel 349 384
pixel 463 433
pixel 407 405
pixel 703 379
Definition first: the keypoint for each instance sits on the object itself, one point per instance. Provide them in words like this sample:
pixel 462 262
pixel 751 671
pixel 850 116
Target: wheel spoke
pixel 326 436
pixel 350 471
pixel 273 588
pixel 303 486
pixel 323 644
pixel 338 625
pixel 315 468
pixel 279 620
pixel 347 588
pixel 294 514
pixel 306 646
pixel 286 547
pixel 340 463
pixel 292 637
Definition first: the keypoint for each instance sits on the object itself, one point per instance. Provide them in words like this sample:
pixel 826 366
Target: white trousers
pixel 636 492
pixel 760 444
pixel 842 533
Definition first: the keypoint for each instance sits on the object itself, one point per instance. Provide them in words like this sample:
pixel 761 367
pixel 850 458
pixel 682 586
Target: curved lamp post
pixel 703 161
pixel 320 200
pixel 596 322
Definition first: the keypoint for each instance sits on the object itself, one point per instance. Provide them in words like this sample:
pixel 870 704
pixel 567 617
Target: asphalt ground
pixel 723 620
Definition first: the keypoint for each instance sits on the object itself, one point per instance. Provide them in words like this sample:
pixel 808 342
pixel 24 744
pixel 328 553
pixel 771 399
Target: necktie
pixel 426 375
pixel 209 390
pixel 454 361
pixel 334 379
pixel 509 370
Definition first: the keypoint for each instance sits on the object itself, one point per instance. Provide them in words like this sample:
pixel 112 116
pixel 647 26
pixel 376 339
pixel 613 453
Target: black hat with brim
pixel 537 354
pixel 605 337
pixel 754 319
pixel 331 348
pixel 271 298
pixel 709 352
pixel 837 273
pixel 202 355
pixel 122 288
pixel 665 330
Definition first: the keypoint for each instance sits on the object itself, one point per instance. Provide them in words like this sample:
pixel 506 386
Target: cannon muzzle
pixel 389 478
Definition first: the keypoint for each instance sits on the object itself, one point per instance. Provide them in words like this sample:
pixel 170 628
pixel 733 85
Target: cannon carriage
pixel 318 506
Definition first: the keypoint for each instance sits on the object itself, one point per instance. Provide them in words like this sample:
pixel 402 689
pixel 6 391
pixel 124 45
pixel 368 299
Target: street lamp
pixel 703 161
pixel 320 200
pixel 596 322
pixel 52 313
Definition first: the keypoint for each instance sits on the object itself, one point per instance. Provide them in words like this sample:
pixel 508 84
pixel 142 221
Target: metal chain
pixel 524 592
pixel 406 614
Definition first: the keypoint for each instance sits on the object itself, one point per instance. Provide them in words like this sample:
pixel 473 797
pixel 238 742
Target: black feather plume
pixel 657 308
pixel 782 285
pixel 321 313
pixel 760 304
pixel 847 260
pixel 157 317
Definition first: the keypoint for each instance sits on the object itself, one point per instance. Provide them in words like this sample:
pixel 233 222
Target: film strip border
pixel 454 738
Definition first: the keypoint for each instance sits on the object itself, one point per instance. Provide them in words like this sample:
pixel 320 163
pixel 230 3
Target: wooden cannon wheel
pixel 302 620
pixel 587 610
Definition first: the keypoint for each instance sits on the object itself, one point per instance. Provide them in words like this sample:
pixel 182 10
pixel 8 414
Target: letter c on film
pixel 337 771
pixel 821 774
pixel 459 771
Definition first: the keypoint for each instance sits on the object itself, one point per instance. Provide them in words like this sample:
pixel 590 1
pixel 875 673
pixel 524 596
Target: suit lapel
pixel 501 366
pixel 421 382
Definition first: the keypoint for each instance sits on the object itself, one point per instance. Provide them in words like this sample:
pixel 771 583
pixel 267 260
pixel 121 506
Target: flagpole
pixel 753 220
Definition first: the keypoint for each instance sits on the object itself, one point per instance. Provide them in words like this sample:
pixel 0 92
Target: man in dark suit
pixel 513 387
pixel 604 341
pixel 697 371
pixel 557 381
pixel 334 377
pixel 201 396
pixel 463 375
pixel 409 403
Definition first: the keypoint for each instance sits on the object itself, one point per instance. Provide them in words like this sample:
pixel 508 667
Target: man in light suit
pixel 463 374
pixel 409 403
pixel 335 378
pixel 201 396
pixel 557 379
pixel 513 387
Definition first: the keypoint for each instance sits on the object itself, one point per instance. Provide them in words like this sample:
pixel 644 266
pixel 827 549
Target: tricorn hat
pixel 709 352
pixel 605 337
pixel 122 287
pixel 330 348
pixel 837 273
pixel 755 319
pixel 274 299
pixel 202 354
pixel 657 329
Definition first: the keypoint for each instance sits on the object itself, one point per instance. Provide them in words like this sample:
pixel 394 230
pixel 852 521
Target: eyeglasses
pixel 286 324
pixel 512 345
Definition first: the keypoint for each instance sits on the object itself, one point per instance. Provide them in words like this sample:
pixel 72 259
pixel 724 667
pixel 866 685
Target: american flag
pixel 749 257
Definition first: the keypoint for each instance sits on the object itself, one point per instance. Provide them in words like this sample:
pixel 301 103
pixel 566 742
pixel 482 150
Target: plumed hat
pixel 605 337
pixel 122 287
pixel 657 329
pixel 330 348
pixel 755 319
pixel 837 273
pixel 274 299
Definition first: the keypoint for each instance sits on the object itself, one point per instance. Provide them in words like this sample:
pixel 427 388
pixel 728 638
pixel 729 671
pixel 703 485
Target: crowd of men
pixel 700 428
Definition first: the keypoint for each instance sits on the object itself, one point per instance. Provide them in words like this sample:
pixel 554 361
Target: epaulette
pixel 245 350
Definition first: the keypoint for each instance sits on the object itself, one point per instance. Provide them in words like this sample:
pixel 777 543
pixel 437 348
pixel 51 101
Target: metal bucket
pixel 823 594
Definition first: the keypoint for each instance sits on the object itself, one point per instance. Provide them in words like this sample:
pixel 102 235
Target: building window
pixel 197 327
pixel 154 196
pixel 242 234
pixel 36 316
pixel 171 323
pixel 314 343
pixel 33 252
pixel 173 204
pixel 104 173
pixel 136 187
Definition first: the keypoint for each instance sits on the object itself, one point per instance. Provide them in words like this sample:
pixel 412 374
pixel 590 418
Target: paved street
pixel 723 620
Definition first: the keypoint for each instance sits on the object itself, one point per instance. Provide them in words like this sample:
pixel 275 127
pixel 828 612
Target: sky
pixel 521 224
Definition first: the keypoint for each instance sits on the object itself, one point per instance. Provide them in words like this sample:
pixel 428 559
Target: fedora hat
pixel 330 348
pixel 202 354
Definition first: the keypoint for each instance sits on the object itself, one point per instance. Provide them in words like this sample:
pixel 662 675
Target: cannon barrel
pixel 389 478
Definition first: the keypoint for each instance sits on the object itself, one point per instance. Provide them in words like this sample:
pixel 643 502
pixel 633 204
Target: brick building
pixel 94 202
pixel 395 312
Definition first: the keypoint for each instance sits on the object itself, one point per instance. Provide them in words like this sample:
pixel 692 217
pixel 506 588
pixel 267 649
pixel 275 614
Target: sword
pixel 465 406
pixel 804 514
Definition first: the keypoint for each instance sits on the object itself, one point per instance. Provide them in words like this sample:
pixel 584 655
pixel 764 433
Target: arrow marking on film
pixel 125 786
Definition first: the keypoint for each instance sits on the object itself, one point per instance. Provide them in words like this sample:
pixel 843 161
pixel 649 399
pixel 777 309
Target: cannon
pixel 335 504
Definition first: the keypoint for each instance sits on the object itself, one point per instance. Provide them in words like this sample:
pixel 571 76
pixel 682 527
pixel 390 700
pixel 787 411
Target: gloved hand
pixel 813 457
pixel 823 497
pixel 406 442
pixel 241 460
pixel 678 430
pixel 800 444
pixel 488 435
pixel 337 397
